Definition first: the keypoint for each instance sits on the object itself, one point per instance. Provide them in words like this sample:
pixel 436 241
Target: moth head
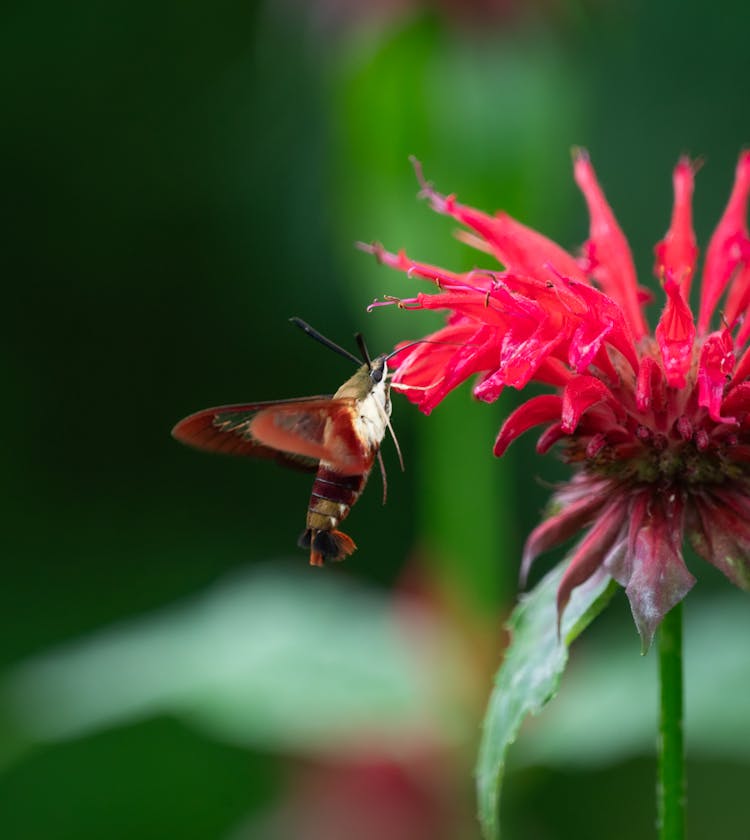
pixel 378 369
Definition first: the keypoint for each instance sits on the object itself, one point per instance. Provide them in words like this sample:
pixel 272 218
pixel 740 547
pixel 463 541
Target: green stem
pixel 670 793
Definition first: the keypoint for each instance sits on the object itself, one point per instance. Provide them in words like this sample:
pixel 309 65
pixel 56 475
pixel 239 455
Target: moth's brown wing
pixel 295 433
pixel 325 430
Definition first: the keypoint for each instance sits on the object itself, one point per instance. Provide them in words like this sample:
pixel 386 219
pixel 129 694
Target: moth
pixel 338 437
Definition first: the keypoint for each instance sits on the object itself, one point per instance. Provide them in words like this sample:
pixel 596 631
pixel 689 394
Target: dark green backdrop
pixel 178 178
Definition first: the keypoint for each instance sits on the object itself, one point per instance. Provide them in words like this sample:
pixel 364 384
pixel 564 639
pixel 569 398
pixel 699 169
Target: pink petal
pixel 490 386
pixel 430 370
pixel 742 369
pixel 521 356
pixel 738 302
pixel 714 371
pixel 549 437
pixel 516 246
pixel 598 310
pixel 553 372
pixel 677 252
pixel 675 334
pixel 586 343
pixel 650 386
pixel 579 395
pixel 401 262
pixel 725 250
pixel 737 401
pixel 537 410
pixel 614 267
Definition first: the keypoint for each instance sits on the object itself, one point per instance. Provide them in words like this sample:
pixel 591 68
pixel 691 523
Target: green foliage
pixel 275 660
pixel 529 676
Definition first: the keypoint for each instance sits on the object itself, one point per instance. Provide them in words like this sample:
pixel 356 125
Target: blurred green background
pixel 178 179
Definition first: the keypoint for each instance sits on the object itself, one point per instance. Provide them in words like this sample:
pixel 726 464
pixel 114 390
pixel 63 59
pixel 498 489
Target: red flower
pixel 656 425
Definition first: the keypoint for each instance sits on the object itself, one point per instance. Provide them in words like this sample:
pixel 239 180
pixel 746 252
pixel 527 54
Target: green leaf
pixel 530 675
pixel 277 659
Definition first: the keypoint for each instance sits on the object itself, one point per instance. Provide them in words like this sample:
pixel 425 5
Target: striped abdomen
pixel 332 497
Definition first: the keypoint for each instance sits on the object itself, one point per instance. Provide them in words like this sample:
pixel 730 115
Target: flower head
pixel 656 425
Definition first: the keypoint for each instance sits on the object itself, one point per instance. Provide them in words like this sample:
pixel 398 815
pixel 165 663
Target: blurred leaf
pixel 530 675
pixel 611 683
pixel 279 659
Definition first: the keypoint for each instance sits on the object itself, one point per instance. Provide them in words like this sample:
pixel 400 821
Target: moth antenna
pixel 398 448
pixel 326 342
pixel 360 339
pixel 384 476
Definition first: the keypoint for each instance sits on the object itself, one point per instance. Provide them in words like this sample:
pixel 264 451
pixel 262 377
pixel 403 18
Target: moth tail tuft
pixel 346 545
pixel 326 545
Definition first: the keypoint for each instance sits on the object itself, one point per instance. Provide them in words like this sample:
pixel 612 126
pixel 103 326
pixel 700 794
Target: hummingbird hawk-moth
pixel 338 437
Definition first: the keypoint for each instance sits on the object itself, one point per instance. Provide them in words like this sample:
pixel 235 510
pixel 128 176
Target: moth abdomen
pixel 334 487
pixel 333 495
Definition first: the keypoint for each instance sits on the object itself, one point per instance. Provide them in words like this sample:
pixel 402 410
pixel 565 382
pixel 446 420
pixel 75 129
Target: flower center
pixel 673 442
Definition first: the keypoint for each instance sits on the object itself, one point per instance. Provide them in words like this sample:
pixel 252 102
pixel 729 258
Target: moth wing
pixel 226 429
pixel 295 433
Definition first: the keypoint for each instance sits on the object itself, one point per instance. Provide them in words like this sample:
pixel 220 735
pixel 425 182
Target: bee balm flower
pixel 656 425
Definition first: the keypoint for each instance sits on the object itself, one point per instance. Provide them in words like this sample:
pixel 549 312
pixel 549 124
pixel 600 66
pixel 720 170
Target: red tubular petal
pixel 738 302
pixel 586 343
pixel 537 410
pixel 401 262
pixel 742 369
pixel 579 395
pixel 659 578
pixel 600 419
pixel 430 371
pixel 675 334
pixel 516 246
pixel 490 386
pixel 599 311
pixel 614 263
pixel 737 400
pixel 650 389
pixel 553 372
pixel 677 252
pixel 549 438
pixel 725 248
pixel 521 355
pixel 644 383
pixel 714 370
pixel 603 364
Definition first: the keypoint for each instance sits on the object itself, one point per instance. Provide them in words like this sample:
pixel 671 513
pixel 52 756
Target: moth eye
pixel 376 374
